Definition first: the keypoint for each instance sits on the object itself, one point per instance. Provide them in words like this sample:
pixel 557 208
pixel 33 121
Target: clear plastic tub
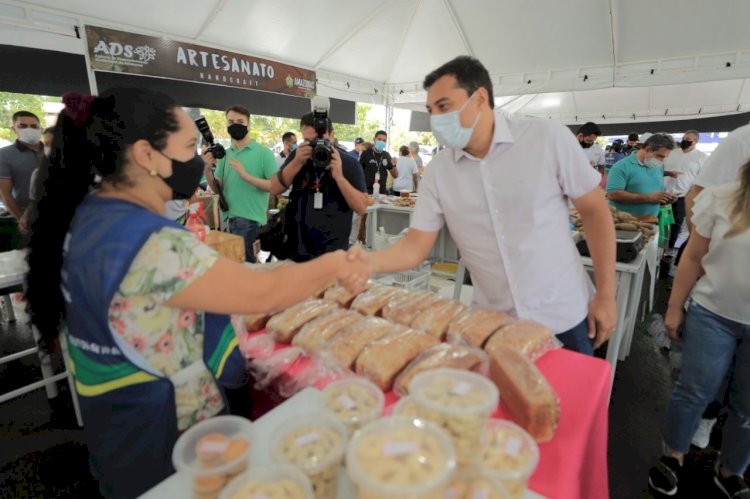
pixel 213 451
pixel 398 458
pixel 405 407
pixel 459 401
pixel 475 484
pixel 280 481
pixel 354 401
pixel 509 454
pixel 315 444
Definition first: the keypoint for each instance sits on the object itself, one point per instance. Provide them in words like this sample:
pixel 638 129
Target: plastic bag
pixel 346 346
pixel 443 355
pixel 314 335
pixel 341 295
pixel 474 327
pixel 257 346
pixel 318 371
pixel 435 319
pixel 372 301
pixel 285 325
pixel 527 337
pixel 268 370
pixel 402 309
pixel 658 331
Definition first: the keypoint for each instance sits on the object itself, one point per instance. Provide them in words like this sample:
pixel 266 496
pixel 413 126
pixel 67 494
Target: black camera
pixel 217 150
pixel 322 149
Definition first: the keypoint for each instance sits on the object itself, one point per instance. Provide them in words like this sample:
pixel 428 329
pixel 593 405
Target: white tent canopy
pixel 573 60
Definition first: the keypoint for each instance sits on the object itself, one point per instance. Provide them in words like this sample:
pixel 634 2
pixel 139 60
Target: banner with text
pixel 122 52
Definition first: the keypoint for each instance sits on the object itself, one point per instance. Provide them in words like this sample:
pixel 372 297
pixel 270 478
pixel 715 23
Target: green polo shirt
pixel 246 200
pixel 631 175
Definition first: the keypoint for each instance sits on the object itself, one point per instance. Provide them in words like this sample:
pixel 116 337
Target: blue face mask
pixel 448 130
pixel 293 148
pixel 379 146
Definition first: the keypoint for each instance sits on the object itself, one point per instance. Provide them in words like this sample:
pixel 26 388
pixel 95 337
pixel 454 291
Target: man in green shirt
pixel 243 175
pixel 636 183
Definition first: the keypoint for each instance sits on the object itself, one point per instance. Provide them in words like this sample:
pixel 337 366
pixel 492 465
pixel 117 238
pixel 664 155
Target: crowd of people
pixel 146 305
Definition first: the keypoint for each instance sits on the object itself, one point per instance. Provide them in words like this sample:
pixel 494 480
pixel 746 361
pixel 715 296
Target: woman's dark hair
pixel 403 150
pixel 90 138
pixel 469 73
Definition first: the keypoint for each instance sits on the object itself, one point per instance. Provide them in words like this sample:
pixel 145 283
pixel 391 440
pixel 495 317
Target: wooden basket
pixel 228 245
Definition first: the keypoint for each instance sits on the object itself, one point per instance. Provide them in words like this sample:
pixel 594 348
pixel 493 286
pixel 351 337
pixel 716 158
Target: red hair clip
pixel 78 106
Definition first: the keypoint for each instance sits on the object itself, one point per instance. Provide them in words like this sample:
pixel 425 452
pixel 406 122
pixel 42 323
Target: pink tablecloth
pixel 574 464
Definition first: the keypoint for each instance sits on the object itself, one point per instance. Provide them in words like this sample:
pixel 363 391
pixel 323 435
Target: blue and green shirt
pixel 631 175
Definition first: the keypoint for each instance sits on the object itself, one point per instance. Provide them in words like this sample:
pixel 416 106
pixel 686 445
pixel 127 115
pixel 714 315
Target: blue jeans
pixel 710 342
pixel 577 339
pixel 247 229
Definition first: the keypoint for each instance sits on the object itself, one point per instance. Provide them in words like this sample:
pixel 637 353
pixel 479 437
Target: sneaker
pixel 733 487
pixel 703 434
pixel 663 477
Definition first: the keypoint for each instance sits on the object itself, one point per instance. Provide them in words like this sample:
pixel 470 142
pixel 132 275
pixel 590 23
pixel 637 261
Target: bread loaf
pixel 442 355
pixel 475 327
pixel 314 335
pixel 526 394
pixel 255 322
pixel 285 325
pixel 340 295
pixel 348 343
pixel 402 309
pixel 383 359
pixel 527 337
pixel 372 301
pixel 434 320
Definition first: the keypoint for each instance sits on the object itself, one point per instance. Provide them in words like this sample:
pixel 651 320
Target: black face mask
pixel 585 145
pixel 237 131
pixel 186 176
pixel 685 144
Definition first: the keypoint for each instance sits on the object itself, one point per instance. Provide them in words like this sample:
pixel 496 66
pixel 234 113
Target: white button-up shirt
pixel 689 167
pixel 508 214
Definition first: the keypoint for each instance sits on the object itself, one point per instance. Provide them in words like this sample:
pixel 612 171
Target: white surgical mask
pixel 448 129
pixel 47 151
pixel 653 163
pixel 30 136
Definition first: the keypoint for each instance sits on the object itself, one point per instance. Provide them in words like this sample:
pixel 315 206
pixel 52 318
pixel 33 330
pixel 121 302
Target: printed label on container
pixel 513 446
pixel 481 493
pixel 260 496
pixel 214 446
pixel 462 388
pixel 347 402
pixel 308 438
pixel 394 449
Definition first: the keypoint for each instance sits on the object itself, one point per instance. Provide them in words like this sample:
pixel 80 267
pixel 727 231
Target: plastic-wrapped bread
pixel 314 335
pixel 403 310
pixel 372 301
pixel 528 337
pixel 285 325
pixel 341 295
pixel 256 322
pixel 383 359
pixel 475 327
pixel 346 346
pixel 434 320
pixel 442 355
pixel 526 394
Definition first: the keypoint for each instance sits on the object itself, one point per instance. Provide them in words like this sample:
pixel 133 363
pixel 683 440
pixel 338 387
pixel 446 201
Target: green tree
pixel 361 128
pixel 11 102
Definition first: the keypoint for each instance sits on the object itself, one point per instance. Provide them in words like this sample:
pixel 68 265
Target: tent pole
pixel 89 71
pixel 389 117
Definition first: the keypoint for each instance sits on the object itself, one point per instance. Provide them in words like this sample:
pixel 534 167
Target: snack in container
pixel 476 326
pixel 346 346
pixel 341 295
pixel 402 309
pixel 372 301
pixel 461 402
pixel 398 457
pixel 527 395
pixel 442 355
pixel 528 337
pixel 279 481
pixel 406 407
pixel 313 335
pixel 212 452
pixel 315 444
pixel 285 325
pixel 354 401
pixel 434 320
pixel 509 455
pixel 475 484
pixel 383 359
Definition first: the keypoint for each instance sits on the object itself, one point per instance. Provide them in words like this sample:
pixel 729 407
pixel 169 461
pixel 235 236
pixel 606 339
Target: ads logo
pixel 289 81
pixel 114 50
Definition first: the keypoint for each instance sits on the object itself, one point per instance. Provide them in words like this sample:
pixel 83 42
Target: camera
pixel 322 149
pixel 217 150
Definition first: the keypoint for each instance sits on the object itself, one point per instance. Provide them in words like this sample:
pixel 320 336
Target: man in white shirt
pixel 407 172
pixel 687 168
pixel 502 187
pixel 289 141
pixel 587 135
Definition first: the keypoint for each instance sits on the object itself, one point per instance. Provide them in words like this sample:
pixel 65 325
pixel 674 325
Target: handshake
pixel 354 269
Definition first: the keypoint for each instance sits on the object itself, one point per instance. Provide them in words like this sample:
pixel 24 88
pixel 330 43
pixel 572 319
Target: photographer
pixel 243 176
pixel 327 184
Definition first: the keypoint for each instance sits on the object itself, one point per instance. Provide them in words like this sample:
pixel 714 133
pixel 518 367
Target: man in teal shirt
pixel 636 182
pixel 244 177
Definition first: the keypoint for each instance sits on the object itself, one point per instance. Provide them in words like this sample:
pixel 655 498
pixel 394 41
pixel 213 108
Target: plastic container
pixel 459 401
pixel 263 481
pixel 476 484
pixel 196 226
pixel 412 280
pixel 405 407
pixel 315 444
pixel 509 454
pixel 213 451
pixel 399 458
pixel 353 401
